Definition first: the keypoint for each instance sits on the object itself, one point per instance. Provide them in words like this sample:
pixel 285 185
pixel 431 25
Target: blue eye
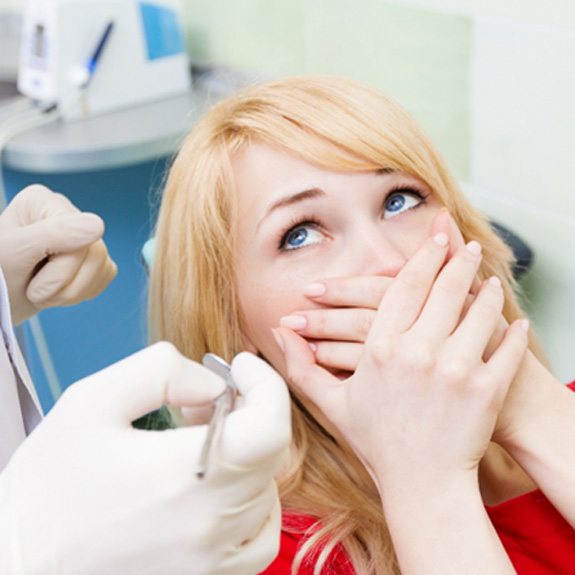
pixel 401 201
pixel 300 236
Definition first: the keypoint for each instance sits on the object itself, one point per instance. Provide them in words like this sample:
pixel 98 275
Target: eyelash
pixel 296 223
pixel 409 190
pixel 313 221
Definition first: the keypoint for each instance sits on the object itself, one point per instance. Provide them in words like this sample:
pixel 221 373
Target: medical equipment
pixel 223 404
pixel 92 56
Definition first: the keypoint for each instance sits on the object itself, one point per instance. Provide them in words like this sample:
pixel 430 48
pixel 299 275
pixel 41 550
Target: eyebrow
pixel 290 200
pixel 309 194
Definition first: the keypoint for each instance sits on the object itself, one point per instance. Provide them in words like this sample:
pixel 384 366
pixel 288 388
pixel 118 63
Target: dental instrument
pixel 223 404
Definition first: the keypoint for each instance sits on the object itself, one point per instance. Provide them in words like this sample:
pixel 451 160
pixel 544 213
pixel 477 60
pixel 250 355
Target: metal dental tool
pixel 223 404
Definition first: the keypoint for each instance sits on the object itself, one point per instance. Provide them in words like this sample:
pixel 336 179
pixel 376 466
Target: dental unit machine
pixel 89 57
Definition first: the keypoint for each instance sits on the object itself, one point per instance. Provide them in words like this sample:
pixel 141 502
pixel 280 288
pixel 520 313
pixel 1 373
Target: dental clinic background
pixel 492 82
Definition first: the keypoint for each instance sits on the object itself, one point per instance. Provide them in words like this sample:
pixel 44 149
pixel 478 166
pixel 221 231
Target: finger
pixel 406 296
pixel 447 297
pixel 37 202
pixel 255 555
pixel 251 507
pixel 261 427
pixel 59 234
pixel 94 275
pixel 338 356
pixel 457 241
pixel 158 375
pixel 54 276
pixel 506 359
pixel 471 338
pixel 309 380
pixel 346 324
pixel 359 291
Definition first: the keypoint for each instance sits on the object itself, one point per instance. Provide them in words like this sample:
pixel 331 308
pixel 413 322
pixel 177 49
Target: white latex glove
pixel 51 253
pixel 87 494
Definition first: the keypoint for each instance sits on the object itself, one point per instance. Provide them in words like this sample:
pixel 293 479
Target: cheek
pixel 410 235
pixel 263 301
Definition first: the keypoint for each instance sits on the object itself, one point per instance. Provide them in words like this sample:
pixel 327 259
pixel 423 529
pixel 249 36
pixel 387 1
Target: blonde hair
pixel 337 124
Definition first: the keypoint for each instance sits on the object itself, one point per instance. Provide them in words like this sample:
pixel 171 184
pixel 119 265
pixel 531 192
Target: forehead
pixel 262 170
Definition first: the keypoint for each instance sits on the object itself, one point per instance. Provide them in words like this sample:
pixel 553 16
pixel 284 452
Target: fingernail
pixel 524 324
pixel 441 239
pixel 473 247
pixel 295 322
pixel 494 281
pixel 279 339
pixel 314 290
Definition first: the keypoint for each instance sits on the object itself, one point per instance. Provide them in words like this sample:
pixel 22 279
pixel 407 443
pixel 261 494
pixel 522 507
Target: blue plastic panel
pixel 162 31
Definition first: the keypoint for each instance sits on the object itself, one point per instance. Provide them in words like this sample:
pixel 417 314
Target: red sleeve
pixel 538 540
pixel 298 528
pixel 283 562
pixel 536 537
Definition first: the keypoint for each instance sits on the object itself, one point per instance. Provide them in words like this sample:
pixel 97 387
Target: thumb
pixel 260 426
pixel 58 234
pixel 259 383
pixel 157 375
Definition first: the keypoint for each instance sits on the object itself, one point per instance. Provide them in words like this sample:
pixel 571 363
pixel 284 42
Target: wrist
pixel 537 410
pixel 444 530
pixel 435 494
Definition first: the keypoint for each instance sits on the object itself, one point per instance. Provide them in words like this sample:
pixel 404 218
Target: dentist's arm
pixel 51 253
pixel 88 494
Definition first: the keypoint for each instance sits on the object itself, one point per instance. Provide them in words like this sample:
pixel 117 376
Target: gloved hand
pixel 51 253
pixel 87 494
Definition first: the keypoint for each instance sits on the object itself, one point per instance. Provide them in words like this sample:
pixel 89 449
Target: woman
pixel 312 222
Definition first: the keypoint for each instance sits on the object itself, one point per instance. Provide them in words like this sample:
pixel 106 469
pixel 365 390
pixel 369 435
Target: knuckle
pixel 165 352
pixel 317 322
pixel 455 371
pixel 486 378
pixel 411 278
pixel 492 307
pixel 381 352
pixel 422 356
pixel 363 323
pixel 453 285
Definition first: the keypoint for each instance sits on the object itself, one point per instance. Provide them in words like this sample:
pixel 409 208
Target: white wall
pixel 523 152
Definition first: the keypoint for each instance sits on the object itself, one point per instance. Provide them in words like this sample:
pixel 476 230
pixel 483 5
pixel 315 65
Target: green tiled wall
pixel 418 56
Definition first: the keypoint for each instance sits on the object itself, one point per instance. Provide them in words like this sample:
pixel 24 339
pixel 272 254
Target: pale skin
pixel 536 425
pixel 421 440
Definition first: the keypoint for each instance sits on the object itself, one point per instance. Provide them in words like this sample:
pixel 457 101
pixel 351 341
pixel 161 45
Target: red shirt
pixel 536 537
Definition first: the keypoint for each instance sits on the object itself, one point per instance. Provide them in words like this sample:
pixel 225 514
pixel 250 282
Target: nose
pixel 376 254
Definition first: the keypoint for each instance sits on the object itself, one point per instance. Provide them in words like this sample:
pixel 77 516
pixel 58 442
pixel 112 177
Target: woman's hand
pixel 337 331
pixel 536 424
pixel 421 405
pixel 422 402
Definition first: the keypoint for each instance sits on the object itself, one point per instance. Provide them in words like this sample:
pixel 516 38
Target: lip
pixel 341 374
